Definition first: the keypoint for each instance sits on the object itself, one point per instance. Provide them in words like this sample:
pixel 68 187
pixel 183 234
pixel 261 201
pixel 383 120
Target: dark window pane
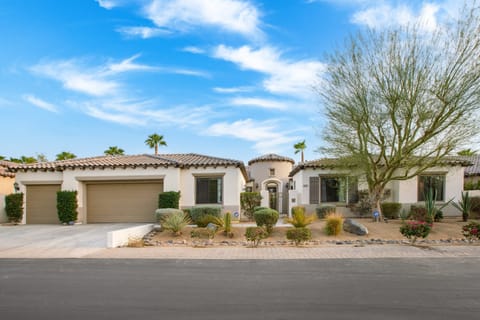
pixel 314 190
pixel 434 182
pixel 208 190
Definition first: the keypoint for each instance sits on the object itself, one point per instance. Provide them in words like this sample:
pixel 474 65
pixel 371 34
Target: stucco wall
pixel 6 187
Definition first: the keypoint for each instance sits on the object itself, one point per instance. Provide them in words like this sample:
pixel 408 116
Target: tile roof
pixel 133 161
pixel 270 157
pixel 474 169
pixel 329 163
pixel 5 168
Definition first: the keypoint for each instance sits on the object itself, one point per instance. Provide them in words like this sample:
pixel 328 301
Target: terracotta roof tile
pixel 270 157
pixel 5 168
pixel 474 169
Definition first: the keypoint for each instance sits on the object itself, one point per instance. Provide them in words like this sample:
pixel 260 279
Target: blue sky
pixel 227 78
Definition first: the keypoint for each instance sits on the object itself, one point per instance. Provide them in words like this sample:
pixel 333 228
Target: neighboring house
pixel 269 175
pixel 322 182
pixel 7 178
pixel 472 173
pixel 126 188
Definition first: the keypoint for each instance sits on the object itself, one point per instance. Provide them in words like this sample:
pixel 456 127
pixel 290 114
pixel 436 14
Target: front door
pixel 272 196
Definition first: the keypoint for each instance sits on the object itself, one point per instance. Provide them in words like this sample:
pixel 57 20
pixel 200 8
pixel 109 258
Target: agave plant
pixel 175 222
pixel 431 204
pixel 464 205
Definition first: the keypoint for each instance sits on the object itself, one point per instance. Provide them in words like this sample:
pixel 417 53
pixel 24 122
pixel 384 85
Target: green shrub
pixel 323 211
pixel 266 217
pixel 248 202
pixel 67 206
pixel 162 213
pixel 299 235
pixel 14 207
pixel 471 231
pixel 203 221
pixel 202 233
pixel 334 224
pixel 391 210
pixel 260 208
pixel 175 222
pixel 299 219
pixel 188 211
pixel 255 234
pixel 415 229
pixel 169 199
pixel 197 212
pixel 418 213
pixel 438 216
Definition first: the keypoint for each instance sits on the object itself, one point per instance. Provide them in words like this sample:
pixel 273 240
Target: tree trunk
pixel 376 195
pixel 156 149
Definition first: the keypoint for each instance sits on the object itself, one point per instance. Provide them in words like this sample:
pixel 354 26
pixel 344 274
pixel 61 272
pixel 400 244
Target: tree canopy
pixel 300 147
pixel 65 155
pixel 114 151
pixel 154 140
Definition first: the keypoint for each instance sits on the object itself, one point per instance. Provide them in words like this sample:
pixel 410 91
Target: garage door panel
pixel 122 202
pixel 41 204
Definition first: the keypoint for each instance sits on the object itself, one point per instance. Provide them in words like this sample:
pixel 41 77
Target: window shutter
pixel 314 190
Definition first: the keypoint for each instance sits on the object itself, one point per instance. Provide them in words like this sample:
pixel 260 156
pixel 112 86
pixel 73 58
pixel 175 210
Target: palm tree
pixel 154 140
pixel 114 151
pixel 300 147
pixel 65 155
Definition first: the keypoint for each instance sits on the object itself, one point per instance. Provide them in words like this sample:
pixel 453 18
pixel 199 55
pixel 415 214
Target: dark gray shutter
pixel 314 190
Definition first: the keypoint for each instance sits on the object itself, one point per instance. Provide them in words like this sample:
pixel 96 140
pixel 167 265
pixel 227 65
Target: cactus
pixel 227 224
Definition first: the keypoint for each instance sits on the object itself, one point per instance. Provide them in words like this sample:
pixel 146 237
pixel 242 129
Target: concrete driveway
pixel 37 241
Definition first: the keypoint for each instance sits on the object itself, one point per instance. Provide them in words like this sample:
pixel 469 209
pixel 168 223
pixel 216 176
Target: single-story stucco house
pixel 126 188
pixel 7 179
pixel 322 182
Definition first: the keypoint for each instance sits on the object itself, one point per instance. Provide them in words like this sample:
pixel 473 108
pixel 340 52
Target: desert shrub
pixel 334 223
pixel 464 206
pixel 266 217
pixel 323 211
pixel 438 216
pixel 169 199
pixel 299 235
pixel 227 224
pixel 415 229
pixel 14 207
pixel 418 213
pixel 299 218
pixel 255 234
pixel 203 233
pixel 203 221
pixel 391 210
pixel 162 213
pixel 471 231
pixel 135 242
pixel 248 202
pixel 197 212
pixel 67 206
pixel 475 213
pixel 175 222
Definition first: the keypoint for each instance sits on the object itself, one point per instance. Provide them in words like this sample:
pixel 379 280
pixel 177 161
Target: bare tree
pixel 400 101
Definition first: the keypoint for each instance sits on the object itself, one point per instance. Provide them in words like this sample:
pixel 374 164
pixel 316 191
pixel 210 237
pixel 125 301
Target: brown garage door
pixel 130 201
pixel 41 204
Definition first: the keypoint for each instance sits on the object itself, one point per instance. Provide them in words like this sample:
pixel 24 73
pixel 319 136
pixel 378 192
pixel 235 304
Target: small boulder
pixel 212 227
pixel 355 227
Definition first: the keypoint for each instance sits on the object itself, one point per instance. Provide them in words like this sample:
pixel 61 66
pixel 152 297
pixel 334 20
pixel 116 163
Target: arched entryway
pixel 272 196
pixel 272 189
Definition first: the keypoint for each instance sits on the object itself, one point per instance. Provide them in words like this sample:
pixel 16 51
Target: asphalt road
pixel 240 289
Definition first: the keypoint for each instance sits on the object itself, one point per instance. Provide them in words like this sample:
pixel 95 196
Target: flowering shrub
pixel 471 231
pixel 415 229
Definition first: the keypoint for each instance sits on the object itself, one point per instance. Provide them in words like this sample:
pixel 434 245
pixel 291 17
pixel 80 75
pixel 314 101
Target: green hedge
pixel 197 213
pixel 249 201
pixel 169 199
pixel 14 207
pixel 322 211
pixel 266 217
pixel 391 210
pixel 67 206
pixel 164 212
pixel 299 235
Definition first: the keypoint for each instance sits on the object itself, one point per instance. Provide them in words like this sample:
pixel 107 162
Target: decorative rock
pixel 212 227
pixel 355 227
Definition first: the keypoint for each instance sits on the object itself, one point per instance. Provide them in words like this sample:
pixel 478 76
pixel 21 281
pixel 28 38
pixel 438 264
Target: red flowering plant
pixel 415 229
pixel 471 231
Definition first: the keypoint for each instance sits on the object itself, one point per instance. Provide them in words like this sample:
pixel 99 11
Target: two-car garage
pixel 105 201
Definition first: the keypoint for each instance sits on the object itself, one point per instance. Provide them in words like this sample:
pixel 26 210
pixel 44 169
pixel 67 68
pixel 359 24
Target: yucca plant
pixel 431 204
pixel 299 218
pixel 464 205
pixel 175 222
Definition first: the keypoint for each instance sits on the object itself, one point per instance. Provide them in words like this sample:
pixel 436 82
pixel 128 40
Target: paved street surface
pixel 400 288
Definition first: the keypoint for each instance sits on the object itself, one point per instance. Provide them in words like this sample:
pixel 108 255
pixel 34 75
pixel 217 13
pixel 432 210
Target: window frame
pixel 210 177
pixel 349 181
pixel 421 193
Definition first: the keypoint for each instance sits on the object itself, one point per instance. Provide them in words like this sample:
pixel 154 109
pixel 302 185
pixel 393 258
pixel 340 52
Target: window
pixel 209 190
pixel 338 189
pixel 436 182
pixel 272 172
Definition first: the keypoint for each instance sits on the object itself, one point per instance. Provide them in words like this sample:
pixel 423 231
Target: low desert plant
pixel 249 201
pixel 135 242
pixel 227 225
pixel 391 210
pixel 175 222
pixel 334 224
pixel 255 234
pixel 14 207
pixel 299 218
pixel 196 213
pixel 169 199
pixel 203 221
pixel 299 235
pixel 266 217
pixel 203 233
pixel 415 229
pixel 160 214
pixel 67 206
pixel 431 205
pixel 464 206
pixel 323 211
pixel 471 231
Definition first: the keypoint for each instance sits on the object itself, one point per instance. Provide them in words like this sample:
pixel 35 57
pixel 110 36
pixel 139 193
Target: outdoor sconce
pixel 16 187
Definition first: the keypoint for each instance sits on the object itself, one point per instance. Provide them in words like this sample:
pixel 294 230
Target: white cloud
pixel 194 50
pixel 233 89
pixel 107 4
pixel 40 103
pixel 143 32
pixel 267 136
pixel 259 102
pixel 128 65
pixel 292 77
pixel 236 16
